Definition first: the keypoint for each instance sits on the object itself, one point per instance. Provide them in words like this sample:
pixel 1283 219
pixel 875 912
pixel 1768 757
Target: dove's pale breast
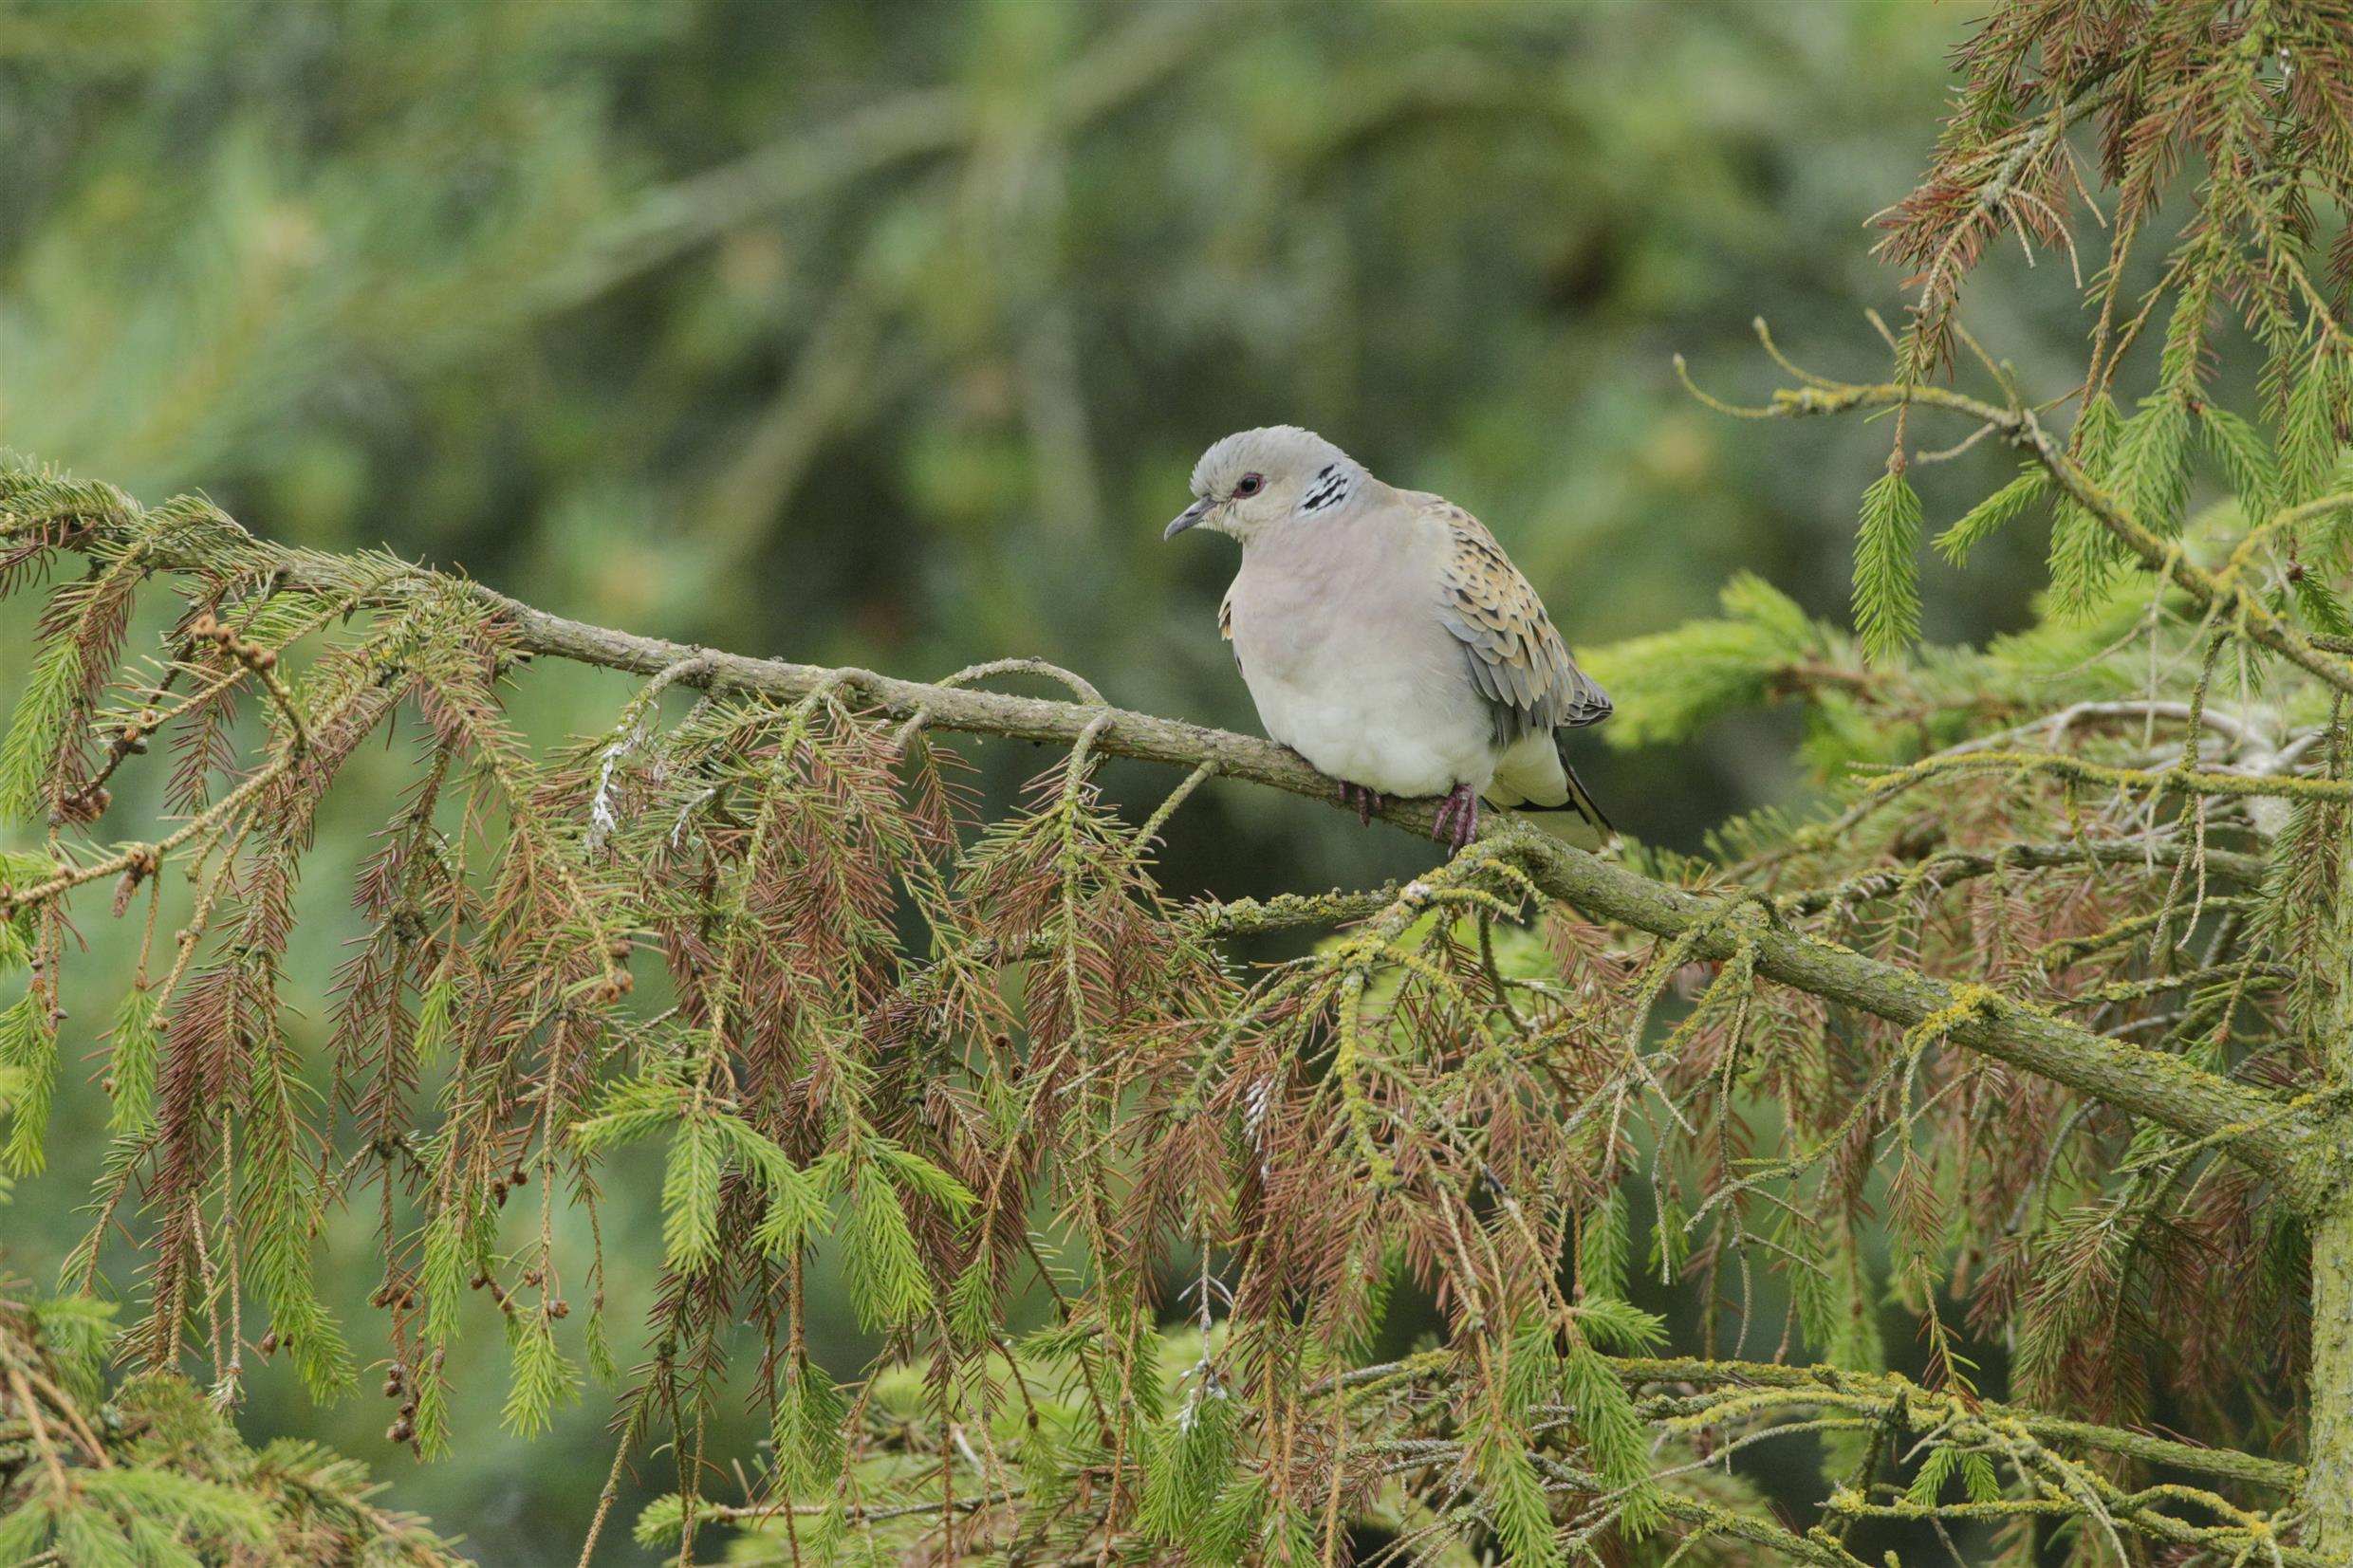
pixel 1335 626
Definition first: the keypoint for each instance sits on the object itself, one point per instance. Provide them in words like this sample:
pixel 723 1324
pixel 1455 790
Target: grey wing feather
pixel 1514 654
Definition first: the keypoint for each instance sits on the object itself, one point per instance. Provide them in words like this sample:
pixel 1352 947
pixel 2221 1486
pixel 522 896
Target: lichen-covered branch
pixel 1430 1092
pixel 2283 1139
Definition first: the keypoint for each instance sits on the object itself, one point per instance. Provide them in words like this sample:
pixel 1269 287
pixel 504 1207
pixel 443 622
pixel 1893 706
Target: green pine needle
pixel 44 714
pixel 2244 458
pixel 29 1050
pixel 541 1378
pixel 1988 517
pixel 131 1073
pixel 1887 590
pixel 689 1198
pixel 889 1285
pixel 1605 1249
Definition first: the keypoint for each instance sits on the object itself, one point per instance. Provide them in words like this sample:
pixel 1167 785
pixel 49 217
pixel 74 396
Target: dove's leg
pixel 1366 800
pixel 1457 820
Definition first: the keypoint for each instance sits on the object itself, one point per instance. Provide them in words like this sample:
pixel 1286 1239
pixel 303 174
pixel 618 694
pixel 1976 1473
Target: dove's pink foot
pixel 1458 819
pixel 1366 800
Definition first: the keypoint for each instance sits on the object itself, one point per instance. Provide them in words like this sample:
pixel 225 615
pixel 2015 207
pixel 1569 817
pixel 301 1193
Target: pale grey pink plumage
pixel 1384 635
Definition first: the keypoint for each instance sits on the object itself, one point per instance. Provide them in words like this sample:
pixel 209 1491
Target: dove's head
pixel 1257 482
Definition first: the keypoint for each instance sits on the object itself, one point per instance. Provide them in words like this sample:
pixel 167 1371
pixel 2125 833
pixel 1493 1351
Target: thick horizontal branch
pixel 1887 1386
pixel 1950 868
pixel 2283 1139
pixel 1751 1401
pixel 2058 764
pixel 1874 1393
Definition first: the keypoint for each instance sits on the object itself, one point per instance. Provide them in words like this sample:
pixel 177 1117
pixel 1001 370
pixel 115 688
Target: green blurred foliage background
pixel 886 334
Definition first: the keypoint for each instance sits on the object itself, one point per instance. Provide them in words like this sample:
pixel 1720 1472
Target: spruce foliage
pixel 2019 1064
pixel 150 1474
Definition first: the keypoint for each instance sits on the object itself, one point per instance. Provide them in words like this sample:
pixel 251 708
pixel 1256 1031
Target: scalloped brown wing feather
pixel 1517 660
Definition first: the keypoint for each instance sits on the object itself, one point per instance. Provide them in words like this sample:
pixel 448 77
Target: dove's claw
pixel 1457 820
pixel 1366 801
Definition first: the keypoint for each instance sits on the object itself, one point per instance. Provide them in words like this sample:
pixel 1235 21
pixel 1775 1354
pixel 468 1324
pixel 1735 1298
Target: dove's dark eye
pixel 1251 484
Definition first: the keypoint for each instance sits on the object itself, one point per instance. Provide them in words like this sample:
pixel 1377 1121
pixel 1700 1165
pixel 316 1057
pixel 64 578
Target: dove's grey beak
pixel 1187 518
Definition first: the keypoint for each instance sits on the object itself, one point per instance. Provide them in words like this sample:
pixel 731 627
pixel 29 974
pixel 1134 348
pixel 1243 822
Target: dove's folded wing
pixel 1515 655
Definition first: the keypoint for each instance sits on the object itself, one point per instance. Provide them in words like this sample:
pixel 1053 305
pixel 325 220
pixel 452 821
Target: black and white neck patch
pixel 1330 486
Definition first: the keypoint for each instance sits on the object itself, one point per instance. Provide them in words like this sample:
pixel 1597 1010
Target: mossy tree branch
pixel 2287 1140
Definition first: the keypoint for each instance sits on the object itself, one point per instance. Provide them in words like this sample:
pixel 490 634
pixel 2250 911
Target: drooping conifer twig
pixel 2226 591
pixel 2282 1140
pixel 2000 1037
pixel 90 1482
pixel 767 845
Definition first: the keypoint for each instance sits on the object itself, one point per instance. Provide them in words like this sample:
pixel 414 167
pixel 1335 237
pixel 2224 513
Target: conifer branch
pixel 1873 1393
pixel 1953 867
pixel 2085 1068
pixel 2283 1139
pixel 2190 781
pixel 2242 610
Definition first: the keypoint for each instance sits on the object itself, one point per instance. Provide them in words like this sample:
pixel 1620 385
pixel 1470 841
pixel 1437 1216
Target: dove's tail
pixel 1580 802
pixel 1579 820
